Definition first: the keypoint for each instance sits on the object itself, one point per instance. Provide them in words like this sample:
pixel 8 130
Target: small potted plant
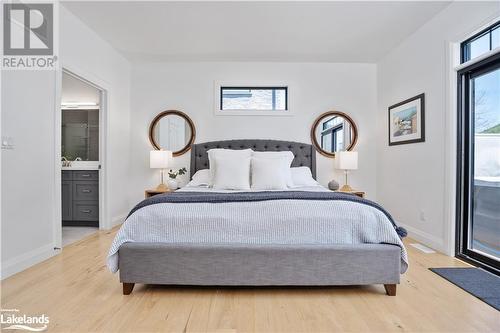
pixel 172 178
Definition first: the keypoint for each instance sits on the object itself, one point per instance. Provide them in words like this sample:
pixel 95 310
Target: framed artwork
pixel 407 121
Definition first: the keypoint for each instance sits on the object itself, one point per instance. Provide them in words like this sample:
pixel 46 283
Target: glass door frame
pixel 465 163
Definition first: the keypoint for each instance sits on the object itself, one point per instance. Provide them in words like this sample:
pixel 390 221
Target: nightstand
pixel 150 193
pixel 360 194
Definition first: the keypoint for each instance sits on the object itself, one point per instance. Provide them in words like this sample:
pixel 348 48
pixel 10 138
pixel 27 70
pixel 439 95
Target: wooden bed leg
pixel 390 289
pixel 127 288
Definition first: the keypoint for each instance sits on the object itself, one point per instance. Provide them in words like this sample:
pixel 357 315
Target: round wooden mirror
pixel 333 131
pixel 172 130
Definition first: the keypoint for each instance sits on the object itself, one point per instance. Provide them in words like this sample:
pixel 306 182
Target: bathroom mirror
pixel 333 131
pixel 172 130
pixel 80 134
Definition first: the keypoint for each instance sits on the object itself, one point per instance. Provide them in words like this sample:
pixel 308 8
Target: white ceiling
pixel 255 31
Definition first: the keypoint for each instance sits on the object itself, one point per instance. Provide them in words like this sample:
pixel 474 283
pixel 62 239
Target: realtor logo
pixel 28 36
pixel 28 29
pixel 13 319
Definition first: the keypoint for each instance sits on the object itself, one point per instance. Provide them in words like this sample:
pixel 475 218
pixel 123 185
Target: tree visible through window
pixel 478 184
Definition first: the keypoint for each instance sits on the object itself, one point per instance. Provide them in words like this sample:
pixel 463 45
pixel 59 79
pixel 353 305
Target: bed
pixel 267 239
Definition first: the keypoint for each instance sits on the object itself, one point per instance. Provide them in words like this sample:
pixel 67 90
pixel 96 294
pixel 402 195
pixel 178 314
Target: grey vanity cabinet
pixel 85 191
pixel 80 198
pixel 67 200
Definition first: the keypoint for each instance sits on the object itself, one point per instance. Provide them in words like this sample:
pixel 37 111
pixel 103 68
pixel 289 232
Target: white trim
pixel 57 210
pixel 482 26
pixel 493 19
pixel 26 260
pixel 118 220
pixel 104 221
pixel 427 239
pixel 422 248
pixel 219 112
pixel 450 148
pixel 81 74
pixel 453 54
pixel 477 59
pixel 95 107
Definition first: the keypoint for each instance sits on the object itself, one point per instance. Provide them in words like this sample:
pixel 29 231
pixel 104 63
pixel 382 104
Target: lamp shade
pixel 346 160
pixel 159 159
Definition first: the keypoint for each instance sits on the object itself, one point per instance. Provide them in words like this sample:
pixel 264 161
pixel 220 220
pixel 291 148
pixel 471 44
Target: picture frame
pixel 406 121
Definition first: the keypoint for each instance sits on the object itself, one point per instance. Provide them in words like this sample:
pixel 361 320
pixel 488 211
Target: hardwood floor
pixel 79 294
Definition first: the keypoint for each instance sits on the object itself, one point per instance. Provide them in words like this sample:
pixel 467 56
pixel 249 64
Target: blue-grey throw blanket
pixel 258 218
pixel 211 197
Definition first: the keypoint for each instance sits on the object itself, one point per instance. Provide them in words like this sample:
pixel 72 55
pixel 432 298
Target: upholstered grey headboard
pixel 305 154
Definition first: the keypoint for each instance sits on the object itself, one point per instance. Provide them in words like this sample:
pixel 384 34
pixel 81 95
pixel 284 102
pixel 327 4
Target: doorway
pixel 478 223
pixel 81 132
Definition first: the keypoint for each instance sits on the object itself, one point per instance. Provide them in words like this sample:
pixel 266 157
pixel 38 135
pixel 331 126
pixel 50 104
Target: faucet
pixel 78 159
pixel 65 162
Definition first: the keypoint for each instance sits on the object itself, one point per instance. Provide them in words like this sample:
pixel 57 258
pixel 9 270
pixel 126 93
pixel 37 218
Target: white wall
pixel 28 116
pixel 78 91
pixel 84 52
pixel 314 89
pixel 28 169
pixel 412 179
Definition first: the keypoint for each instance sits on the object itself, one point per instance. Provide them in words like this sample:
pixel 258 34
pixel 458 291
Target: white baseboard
pixel 118 220
pixel 26 260
pixel 427 239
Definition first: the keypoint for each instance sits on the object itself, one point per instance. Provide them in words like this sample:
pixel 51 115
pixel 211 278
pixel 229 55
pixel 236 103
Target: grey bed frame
pixel 263 265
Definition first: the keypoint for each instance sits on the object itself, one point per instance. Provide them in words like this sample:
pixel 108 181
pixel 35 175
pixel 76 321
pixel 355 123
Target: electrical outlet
pixel 422 216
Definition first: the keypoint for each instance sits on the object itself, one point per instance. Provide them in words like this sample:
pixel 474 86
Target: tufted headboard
pixel 305 154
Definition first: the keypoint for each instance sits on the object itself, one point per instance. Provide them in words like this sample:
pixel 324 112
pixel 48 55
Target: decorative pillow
pixel 302 176
pixel 214 154
pixel 200 178
pixel 232 174
pixel 287 155
pixel 270 173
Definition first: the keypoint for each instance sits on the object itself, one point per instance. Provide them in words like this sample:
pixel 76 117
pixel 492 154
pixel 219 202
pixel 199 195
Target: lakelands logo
pixel 28 36
pixel 16 321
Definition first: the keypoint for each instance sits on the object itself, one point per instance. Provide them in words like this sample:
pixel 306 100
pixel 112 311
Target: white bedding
pixel 258 222
pixel 312 188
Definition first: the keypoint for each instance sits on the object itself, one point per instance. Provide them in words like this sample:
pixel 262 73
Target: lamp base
pixel 162 187
pixel 346 188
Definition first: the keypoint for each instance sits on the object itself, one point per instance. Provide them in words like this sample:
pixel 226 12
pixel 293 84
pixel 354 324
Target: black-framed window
pixel 481 43
pixel 254 98
pixel 332 134
pixel 478 168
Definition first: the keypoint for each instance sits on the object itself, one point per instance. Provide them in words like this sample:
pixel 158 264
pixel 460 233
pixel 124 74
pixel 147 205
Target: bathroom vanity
pixel 80 167
pixel 80 197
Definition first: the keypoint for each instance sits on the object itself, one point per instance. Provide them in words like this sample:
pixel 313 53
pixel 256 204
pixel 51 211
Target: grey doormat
pixel 475 281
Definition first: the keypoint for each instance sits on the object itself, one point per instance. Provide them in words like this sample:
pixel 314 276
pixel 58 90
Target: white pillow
pixel 232 174
pixel 214 154
pixel 270 173
pixel 200 178
pixel 302 176
pixel 287 155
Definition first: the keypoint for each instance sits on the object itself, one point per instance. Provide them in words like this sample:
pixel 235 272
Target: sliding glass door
pixel 478 225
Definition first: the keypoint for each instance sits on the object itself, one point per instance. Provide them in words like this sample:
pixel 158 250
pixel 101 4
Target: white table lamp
pixel 346 160
pixel 160 159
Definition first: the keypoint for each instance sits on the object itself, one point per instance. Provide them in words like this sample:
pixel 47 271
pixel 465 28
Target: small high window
pixel 481 43
pixel 253 98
